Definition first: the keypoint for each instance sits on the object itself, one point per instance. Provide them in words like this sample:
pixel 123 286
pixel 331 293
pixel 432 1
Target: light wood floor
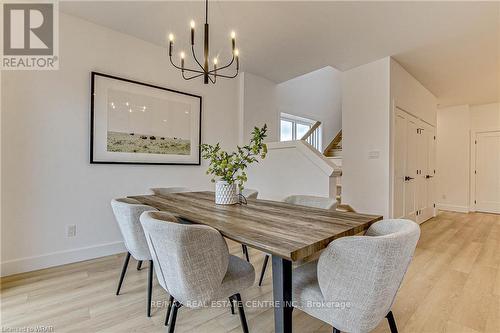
pixel 453 285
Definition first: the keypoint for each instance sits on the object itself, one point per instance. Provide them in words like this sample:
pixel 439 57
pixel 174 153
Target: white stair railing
pixel 313 136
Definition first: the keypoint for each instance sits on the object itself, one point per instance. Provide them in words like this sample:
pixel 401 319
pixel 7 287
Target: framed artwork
pixel 139 123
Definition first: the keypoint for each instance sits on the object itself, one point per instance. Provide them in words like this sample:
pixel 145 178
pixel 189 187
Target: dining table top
pixel 289 231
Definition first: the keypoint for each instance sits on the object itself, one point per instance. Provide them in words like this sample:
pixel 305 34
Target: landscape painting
pixel 143 124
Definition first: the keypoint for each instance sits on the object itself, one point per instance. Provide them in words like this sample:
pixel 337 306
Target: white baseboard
pixel 28 264
pixel 453 208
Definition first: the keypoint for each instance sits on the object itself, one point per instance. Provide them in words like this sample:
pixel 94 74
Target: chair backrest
pixel 191 260
pixel 127 212
pixel 250 193
pixel 367 271
pixel 312 201
pixel 167 190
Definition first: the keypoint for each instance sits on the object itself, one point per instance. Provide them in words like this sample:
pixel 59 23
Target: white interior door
pixel 425 177
pixel 487 191
pixel 399 165
pixel 411 170
pixel 422 156
pixel 414 168
pixel 431 180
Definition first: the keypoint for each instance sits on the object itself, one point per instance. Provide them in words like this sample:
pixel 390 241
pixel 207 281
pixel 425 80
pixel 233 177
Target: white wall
pixel 454 127
pixel 365 129
pixel 452 163
pixel 411 96
pixel 257 106
pixel 292 167
pixel 485 116
pixel 316 95
pixel 47 181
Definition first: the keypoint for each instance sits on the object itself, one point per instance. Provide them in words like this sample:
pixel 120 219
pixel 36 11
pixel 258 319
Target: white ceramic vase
pixel 225 193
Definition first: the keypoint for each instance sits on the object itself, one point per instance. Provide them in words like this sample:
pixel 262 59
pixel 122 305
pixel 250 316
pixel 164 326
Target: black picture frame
pixel 95 74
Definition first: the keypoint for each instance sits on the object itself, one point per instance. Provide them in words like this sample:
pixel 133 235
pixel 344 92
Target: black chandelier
pixel 204 70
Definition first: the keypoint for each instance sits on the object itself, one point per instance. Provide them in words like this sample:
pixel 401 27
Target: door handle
pixel 407 178
pixel 428 176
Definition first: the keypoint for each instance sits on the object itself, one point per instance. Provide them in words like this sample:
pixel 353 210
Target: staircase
pixel 334 149
pixel 334 153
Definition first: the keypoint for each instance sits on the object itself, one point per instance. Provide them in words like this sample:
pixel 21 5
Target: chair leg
pixel 241 311
pixel 124 270
pixel 245 251
pixel 336 330
pixel 392 322
pixel 232 305
pixel 150 286
pixel 263 270
pixel 139 264
pixel 169 308
pixel 173 316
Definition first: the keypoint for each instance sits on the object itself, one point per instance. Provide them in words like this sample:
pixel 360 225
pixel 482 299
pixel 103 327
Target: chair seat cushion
pixel 240 275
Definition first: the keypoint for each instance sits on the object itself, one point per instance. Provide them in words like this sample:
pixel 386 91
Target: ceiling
pixel 452 48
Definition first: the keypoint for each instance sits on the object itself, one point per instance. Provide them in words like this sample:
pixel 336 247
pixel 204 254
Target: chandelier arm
pixel 228 76
pixel 193 71
pixel 192 77
pixel 196 59
pixel 186 69
pixel 172 62
pixel 223 67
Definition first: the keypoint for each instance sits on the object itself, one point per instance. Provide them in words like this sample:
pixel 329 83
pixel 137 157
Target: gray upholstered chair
pixel 354 283
pixel 312 201
pixel 302 200
pixel 127 212
pixel 193 264
pixel 250 193
pixel 167 190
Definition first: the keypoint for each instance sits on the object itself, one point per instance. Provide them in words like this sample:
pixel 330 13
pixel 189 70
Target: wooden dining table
pixel 287 232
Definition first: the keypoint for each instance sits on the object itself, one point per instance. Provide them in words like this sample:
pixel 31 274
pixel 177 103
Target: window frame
pixel 302 121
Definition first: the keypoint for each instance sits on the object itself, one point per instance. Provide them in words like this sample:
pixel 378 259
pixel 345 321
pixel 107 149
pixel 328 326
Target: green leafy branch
pixel 230 167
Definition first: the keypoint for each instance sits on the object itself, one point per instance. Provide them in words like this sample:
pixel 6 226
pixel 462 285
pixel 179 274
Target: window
pixel 294 128
pixel 286 130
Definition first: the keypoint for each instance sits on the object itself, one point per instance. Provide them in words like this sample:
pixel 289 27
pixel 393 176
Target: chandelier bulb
pixel 236 52
pixel 171 37
pixel 233 34
pixel 192 24
pixel 215 61
pixel 183 55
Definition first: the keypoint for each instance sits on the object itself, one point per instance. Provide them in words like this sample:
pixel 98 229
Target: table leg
pixel 282 292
